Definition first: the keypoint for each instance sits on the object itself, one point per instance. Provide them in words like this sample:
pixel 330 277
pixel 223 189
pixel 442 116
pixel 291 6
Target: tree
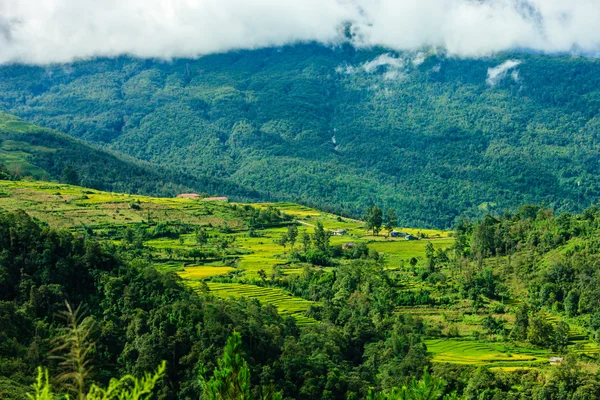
pixel 572 303
pixel 483 385
pixel 306 242
pixel 70 176
pixel 4 173
pixel 262 275
pixel 374 219
pixel 196 254
pixel 283 240
pixel 521 325
pixel 560 340
pixel 426 388
pixel 430 257
pixel 321 238
pixel 540 332
pixel 292 233
pixel 223 244
pixel 276 273
pixel 231 378
pixel 413 262
pixel 201 237
pixel 493 325
pixel 390 220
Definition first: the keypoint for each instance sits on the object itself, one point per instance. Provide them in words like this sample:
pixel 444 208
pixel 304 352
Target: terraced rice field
pixel 484 354
pixel 285 303
pixel 578 337
pixel 202 272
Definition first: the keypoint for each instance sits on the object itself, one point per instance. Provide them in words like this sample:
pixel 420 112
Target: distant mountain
pixel 430 136
pixel 28 150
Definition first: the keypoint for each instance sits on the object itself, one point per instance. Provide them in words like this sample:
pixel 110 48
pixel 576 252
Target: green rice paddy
pixel 471 352
pixel 285 303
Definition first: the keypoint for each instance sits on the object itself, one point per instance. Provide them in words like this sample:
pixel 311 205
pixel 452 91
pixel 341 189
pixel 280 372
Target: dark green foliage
pixel 493 325
pixel 374 219
pixel 560 339
pixel 572 303
pixel 69 175
pixel 427 388
pixel 390 220
pixel 292 234
pixel 144 316
pixel 540 331
pixel 4 173
pixel 231 378
pixel 484 385
pixel 430 146
pixel 521 323
pixel 321 238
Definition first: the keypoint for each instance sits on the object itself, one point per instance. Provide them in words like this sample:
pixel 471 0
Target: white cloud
pixel 384 60
pixel 391 67
pixel 497 74
pixel 43 31
pixel 419 59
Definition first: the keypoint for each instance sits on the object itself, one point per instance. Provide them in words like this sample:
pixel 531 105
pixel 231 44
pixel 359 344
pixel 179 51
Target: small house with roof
pixel 556 360
pixel 397 234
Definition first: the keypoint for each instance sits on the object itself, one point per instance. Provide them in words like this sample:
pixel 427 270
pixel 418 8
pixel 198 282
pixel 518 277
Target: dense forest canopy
pixel 429 136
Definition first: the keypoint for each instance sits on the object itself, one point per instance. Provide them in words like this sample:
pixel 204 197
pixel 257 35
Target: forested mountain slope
pixel 28 150
pixel 429 136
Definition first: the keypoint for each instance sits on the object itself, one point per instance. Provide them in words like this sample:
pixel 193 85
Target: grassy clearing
pixel 73 207
pixel 399 251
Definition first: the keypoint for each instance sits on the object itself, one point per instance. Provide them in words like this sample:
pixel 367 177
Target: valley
pixel 299 200
pixel 232 250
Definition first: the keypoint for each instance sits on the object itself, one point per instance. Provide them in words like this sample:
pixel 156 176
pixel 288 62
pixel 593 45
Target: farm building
pixel 398 234
pixel 348 245
pixel 215 199
pixel 192 196
pixel 411 237
pixel 339 232
pixel 556 360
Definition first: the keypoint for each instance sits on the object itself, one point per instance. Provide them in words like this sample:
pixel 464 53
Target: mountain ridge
pixel 429 136
pixel 41 153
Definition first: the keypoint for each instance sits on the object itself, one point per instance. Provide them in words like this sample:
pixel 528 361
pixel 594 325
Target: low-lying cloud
pixel 497 74
pixel 47 31
pixel 392 67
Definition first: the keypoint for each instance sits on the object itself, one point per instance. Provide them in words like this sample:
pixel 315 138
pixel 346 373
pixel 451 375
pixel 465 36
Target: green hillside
pixel 324 307
pixel 30 151
pixel 430 136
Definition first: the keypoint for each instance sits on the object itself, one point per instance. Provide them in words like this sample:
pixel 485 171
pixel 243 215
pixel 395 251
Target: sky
pixel 56 31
